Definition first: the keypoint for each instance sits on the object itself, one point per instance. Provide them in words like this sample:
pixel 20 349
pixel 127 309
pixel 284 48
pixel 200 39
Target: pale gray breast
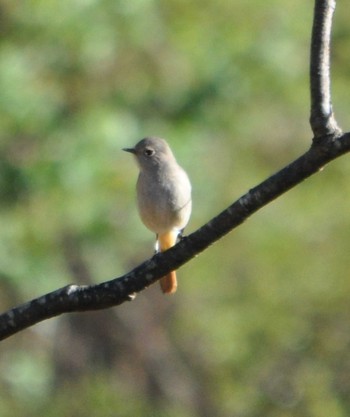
pixel 164 199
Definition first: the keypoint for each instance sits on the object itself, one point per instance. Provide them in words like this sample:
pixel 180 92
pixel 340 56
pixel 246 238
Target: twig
pixel 322 118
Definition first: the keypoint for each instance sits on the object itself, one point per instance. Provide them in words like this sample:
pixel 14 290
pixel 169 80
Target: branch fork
pixel 328 143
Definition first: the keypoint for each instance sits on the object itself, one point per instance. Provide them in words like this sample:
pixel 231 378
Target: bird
pixel 163 197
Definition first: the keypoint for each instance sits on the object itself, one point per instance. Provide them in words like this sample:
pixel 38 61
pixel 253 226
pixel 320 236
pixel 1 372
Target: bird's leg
pixel 156 246
pixel 180 236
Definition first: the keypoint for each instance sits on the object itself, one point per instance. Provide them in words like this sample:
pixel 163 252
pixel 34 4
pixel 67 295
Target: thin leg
pixel 156 246
pixel 180 235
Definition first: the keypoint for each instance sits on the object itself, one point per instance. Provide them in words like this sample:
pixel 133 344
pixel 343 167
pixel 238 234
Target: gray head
pixel 151 152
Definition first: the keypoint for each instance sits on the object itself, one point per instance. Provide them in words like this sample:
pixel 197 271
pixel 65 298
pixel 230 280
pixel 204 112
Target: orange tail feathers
pixel 168 283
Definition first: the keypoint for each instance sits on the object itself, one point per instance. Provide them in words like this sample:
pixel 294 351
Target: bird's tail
pixel 168 283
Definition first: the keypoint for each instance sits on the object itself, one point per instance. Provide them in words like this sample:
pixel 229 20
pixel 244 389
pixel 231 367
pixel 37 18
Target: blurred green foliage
pixel 260 323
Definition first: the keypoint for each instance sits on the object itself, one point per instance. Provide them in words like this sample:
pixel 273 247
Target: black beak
pixel 131 150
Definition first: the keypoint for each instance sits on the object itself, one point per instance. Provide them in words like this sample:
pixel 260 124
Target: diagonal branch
pixel 328 144
pixel 322 118
pixel 114 292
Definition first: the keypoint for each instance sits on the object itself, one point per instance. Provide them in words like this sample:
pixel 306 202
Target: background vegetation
pixel 260 324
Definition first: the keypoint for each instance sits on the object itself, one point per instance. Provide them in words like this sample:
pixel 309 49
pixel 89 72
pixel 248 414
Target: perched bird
pixel 163 196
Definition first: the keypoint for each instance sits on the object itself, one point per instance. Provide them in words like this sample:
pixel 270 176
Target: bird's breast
pixel 164 199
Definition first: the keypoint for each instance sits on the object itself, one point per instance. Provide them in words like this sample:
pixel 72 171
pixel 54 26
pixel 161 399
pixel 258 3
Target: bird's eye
pixel 148 152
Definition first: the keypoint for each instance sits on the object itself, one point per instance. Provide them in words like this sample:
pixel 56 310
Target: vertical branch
pixel 321 119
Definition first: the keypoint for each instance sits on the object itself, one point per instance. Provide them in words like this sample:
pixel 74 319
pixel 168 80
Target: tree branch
pixel 321 119
pixel 328 144
pixel 114 292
